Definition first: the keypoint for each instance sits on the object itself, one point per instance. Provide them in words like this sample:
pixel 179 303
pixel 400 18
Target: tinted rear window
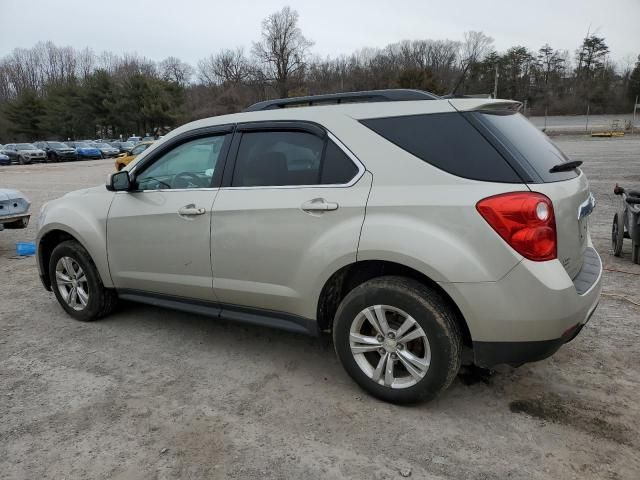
pixel 531 144
pixel 446 141
pixel 337 167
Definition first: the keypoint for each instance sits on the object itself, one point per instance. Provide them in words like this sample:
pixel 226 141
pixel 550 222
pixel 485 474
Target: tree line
pixel 60 92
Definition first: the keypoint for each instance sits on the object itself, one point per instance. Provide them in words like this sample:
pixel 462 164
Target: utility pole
pixel 495 84
pixel 586 128
pixel 635 108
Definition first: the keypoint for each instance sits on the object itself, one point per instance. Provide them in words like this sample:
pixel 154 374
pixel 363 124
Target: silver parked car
pixel 24 153
pixel 14 209
pixel 408 226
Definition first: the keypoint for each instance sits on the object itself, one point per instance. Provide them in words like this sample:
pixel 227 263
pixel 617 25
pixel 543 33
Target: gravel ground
pixel 149 393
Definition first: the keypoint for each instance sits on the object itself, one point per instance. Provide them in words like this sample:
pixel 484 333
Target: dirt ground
pixel 150 393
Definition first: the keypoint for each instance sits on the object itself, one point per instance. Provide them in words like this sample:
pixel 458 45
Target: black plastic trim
pixel 490 354
pixel 275 125
pixel 236 313
pixel 391 95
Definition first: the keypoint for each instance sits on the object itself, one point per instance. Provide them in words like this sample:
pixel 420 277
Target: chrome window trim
pixel 345 150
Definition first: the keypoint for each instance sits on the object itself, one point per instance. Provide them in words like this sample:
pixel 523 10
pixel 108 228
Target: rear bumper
pixel 531 312
pixel 489 354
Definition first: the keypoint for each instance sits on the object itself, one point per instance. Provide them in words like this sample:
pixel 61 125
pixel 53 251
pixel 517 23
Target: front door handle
pixel 191 210
pixel 319 205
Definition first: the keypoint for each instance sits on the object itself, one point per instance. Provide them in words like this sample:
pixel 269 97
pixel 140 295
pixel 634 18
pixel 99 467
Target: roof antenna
pixel 462 75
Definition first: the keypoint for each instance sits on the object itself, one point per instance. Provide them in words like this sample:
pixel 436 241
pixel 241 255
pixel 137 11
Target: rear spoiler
pixel 485 105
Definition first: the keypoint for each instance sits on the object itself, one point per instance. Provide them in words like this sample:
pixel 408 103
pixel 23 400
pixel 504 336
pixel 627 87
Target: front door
pixel 158 236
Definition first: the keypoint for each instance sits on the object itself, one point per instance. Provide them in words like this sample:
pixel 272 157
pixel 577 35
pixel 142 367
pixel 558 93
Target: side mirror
pixel 119 181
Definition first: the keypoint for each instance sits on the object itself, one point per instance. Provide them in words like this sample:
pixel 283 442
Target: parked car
pixel 124 147
pixel 57 151
pixel 14 209
pixel 24 153
pixel 134 139
pixel 107 150
pixel 410 230
pixel 124 160
pixel 148 138
pixel 85 151
pixel 4 158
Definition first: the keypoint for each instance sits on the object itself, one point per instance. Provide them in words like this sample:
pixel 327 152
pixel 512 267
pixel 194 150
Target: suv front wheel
pixel 398 339
pixel 76 283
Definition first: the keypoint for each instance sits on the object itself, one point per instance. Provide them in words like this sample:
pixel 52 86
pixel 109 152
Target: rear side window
pixel 337 168
pixel 533 146
pixel 446 141
pixel 281 158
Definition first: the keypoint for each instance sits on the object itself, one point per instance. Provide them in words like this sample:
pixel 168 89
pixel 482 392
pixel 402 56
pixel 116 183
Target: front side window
pixel 189 165
pixel 289 158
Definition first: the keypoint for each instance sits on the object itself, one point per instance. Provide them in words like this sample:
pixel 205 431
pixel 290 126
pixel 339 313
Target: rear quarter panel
pixel 423 217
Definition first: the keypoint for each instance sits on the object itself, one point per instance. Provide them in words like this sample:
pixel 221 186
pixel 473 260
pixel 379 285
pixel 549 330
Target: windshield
pixel 57 145
pixel 26 146
pixel 126 144
pixel 102 145
pixel 82 145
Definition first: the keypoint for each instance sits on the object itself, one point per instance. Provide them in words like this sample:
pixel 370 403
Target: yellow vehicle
pixel 126 158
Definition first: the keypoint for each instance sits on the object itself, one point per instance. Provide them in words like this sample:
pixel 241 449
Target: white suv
pixel 410 226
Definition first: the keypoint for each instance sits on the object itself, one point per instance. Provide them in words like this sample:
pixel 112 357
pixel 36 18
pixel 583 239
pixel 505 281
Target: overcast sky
pixel 192 29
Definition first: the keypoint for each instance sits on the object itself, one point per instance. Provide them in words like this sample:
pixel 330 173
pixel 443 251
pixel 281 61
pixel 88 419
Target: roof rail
pixel 391 95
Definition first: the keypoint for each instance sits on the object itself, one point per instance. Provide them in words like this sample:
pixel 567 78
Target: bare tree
pixel 283 49
pixel 228 66
pixel 172 69
pixel 475 46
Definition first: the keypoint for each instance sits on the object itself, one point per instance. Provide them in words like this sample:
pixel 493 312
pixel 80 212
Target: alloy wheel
pixel 390 346
pixel 72 283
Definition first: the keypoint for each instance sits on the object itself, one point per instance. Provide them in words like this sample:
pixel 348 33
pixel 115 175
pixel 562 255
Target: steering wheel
pixel 187 180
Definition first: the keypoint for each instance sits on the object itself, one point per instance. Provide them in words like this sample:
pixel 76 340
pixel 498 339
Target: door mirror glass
pixel 119 181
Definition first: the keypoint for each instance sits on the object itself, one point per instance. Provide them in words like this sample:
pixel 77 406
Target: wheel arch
pixel 48 241
pixel 348 277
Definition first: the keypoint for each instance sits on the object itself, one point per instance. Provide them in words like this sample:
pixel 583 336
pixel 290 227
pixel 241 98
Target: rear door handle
pixel 191 210
pixel 319 205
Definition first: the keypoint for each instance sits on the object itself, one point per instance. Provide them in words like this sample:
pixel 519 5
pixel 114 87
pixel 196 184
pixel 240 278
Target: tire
pixel 20 160
pixel 399 298
pixel 617 234
pixel 120 166
pixel 100 300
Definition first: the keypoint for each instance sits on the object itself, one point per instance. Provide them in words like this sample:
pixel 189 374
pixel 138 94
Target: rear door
pixel 291 210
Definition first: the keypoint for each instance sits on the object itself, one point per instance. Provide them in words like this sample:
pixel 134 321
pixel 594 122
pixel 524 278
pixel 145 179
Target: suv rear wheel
pixel 76 283
pixel 398 339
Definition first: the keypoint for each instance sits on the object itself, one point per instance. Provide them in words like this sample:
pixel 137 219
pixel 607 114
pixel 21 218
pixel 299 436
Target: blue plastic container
pixel 25 248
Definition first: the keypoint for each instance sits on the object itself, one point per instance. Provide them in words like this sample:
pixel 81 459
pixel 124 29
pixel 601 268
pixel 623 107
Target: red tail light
pixel 525 221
